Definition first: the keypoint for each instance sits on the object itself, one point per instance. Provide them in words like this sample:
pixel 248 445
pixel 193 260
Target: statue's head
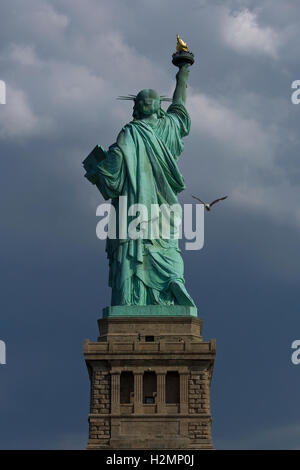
pixel 146 103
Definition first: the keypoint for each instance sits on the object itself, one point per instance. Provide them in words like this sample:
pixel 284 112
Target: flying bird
pixel 208 206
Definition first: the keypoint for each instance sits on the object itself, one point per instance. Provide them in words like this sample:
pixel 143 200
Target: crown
pixel 133 97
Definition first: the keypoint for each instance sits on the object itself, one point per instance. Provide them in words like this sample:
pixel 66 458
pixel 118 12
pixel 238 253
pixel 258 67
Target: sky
pixel 64 63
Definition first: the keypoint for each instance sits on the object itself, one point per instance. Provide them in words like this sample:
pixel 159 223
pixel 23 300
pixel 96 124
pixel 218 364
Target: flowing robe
pixel 142 165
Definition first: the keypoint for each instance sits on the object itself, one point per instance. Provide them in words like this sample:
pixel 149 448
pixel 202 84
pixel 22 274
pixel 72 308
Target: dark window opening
pixel 149 386
pixel 149 400
pixel 172 387
pixel 126 387
pixel 149 339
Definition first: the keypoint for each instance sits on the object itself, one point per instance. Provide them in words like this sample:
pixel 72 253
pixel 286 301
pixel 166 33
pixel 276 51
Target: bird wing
pixel 199 200
pixel 217 200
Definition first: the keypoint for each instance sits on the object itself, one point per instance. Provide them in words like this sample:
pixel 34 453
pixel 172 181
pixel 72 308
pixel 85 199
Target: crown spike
pixel 133 97
pixel 129 97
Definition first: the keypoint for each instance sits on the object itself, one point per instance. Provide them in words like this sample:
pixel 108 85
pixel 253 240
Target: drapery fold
pixel 142 165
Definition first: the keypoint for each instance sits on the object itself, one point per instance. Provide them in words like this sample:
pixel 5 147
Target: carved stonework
pixel 165 403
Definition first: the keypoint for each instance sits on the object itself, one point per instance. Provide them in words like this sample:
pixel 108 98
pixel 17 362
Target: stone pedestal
pixel 150 382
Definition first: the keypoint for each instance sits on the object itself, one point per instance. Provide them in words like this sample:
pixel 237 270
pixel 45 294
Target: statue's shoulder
pixel 128 127
pixel 177 108
pixel 126 132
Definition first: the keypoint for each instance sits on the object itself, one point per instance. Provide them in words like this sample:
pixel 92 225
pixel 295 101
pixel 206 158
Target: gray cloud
pixel 65 62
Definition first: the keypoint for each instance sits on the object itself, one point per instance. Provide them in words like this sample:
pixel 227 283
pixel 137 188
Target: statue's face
pixel 147 103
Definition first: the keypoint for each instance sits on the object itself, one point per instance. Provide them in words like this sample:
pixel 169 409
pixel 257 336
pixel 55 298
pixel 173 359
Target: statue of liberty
pixel 142 165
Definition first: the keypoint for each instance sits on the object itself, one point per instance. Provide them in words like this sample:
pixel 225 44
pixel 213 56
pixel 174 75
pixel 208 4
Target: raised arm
pixel 179 96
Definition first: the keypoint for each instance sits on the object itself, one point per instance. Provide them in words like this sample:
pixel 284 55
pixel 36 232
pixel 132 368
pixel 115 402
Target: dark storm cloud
pixel 64 63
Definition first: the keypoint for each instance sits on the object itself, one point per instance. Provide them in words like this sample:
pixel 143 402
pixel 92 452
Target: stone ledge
pixel 149 443
pixel 133 347
pixel 149 311
pixel 194 416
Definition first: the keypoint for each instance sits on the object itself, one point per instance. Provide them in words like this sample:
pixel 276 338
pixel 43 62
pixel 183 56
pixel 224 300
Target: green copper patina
pixel 149 311
pixel 142 165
